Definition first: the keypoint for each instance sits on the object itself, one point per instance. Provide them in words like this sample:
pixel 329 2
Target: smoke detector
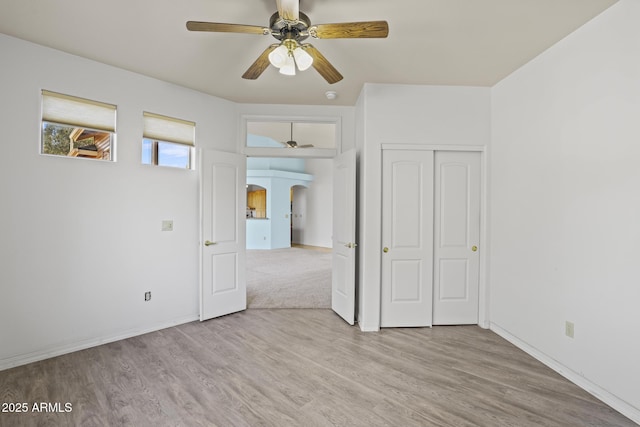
pixel 331 95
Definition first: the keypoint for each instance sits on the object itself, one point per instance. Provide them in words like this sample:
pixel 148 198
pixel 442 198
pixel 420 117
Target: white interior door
pixel 223 210
pixel 407 238
pixel 343 275
pixel 457 235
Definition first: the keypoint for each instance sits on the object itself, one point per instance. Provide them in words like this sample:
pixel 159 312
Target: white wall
pixel 319 204
pixel 566 206
pixel 81 240
pixel 404 114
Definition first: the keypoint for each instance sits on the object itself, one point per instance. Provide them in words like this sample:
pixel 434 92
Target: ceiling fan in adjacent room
pixel 291 27
pixel 291 143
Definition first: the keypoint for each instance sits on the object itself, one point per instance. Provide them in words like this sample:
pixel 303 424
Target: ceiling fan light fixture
pixel 303 59
pixel 289 67
pixel 278 57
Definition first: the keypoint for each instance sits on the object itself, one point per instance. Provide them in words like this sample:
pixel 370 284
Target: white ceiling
pixel 440 42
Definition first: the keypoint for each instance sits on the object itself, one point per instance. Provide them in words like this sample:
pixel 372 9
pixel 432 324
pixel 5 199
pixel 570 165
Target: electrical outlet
pixel 167 225
pixel 147 296
pixel 568 329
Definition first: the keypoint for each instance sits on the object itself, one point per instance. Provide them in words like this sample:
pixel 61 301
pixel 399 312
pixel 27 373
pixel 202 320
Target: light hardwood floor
pixel 302 368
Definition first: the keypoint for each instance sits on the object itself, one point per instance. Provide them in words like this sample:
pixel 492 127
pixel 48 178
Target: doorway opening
pixel 289 248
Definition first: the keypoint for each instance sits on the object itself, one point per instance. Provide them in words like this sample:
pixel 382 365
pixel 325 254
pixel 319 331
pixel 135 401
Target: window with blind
pixel 77 127
pixel 167 141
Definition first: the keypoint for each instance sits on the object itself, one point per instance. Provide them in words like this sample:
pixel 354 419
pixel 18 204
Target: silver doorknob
pixel 209 243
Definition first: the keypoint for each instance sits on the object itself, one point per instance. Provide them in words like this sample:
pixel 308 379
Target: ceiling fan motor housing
pixel 282 29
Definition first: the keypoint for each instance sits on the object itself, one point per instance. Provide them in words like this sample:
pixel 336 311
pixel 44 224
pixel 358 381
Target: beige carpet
pixel 289 278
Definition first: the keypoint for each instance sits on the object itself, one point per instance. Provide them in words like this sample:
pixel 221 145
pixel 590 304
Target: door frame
pixel 303 154
pixel 483 289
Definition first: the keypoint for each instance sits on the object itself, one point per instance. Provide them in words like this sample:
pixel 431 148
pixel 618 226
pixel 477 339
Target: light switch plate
pixel 569 329
pixel 167 225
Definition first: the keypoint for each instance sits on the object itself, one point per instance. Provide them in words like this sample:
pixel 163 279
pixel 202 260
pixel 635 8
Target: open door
pixel 223 233
pixel 343 275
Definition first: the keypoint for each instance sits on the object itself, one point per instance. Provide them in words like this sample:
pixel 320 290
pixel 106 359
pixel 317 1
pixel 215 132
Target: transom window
pixel 168 141
pixel 77 127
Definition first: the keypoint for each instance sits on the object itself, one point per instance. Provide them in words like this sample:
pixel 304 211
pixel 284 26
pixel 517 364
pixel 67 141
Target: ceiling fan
pixel 291 143
pixel 291 27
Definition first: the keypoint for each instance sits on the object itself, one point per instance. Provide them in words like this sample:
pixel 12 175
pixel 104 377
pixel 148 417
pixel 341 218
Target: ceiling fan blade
pixel 289 10
pixel 294 144
pixel 260 64
pixel 351 30
pixel 322 65
pixel 218 27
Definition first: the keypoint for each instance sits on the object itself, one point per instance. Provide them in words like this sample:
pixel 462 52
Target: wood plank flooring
pixel 301 368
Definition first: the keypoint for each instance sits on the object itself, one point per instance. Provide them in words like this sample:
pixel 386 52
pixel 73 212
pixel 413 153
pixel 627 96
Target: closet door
pixel 407 238
pixel 457 238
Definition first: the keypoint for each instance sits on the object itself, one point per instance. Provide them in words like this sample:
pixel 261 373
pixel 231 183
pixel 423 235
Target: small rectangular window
pixel 168 141
pixel 77 127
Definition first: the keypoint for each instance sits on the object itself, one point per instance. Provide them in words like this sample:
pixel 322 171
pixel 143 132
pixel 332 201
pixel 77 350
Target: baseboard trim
pixel 368 328
pixel 615 402
pixel 315 248
pixel 38 355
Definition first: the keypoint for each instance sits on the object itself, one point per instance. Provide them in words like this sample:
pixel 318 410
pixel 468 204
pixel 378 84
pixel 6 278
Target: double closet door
pixel 430 238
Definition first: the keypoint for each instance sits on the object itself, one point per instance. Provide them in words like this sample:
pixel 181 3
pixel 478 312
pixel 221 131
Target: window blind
pixel 80 112
pixel 169 129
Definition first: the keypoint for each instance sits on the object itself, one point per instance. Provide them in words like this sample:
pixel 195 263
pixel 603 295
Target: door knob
pixel 351 245
pixel 474 248
pixel 209 243
pixel 385 250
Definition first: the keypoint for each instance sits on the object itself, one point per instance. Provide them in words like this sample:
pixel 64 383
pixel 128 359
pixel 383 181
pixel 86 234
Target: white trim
pixel 615 402
pixel 38 355
pixel 369 328
pixel 484 309
pixel 423 147
pixel 302 153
